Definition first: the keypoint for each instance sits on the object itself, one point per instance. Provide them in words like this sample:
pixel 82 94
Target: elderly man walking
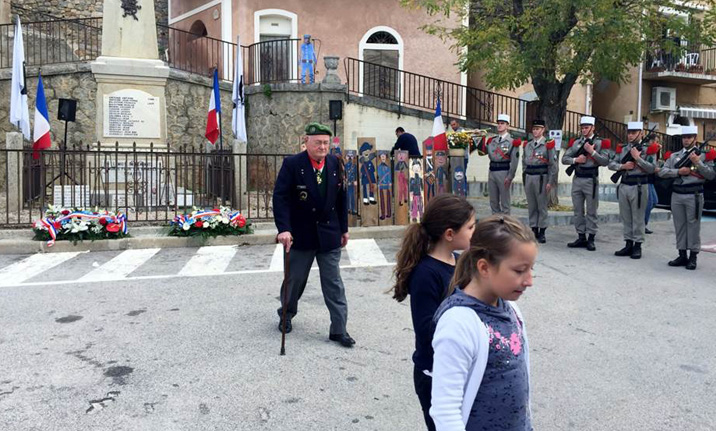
pixel 311 216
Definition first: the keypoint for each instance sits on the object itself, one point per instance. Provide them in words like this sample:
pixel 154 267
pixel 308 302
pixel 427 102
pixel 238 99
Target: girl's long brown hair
pixel 492 240
pixel 442 213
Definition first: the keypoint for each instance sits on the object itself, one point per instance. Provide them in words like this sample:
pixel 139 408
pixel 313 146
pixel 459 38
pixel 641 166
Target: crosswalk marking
pixel 209 260
pixel 277 259
pixel 365 252
pixel 121 265
pixel 32 266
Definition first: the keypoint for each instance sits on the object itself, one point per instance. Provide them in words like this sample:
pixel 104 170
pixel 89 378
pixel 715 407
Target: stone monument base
pixel 131 102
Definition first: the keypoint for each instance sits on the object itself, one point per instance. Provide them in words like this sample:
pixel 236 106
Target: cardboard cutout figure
pixel 385 185
pixel 351 181
pixel 401 175
pixel 416 190
pixel 459 185
pixel 368 182
pixel 429 169
pixel 441 172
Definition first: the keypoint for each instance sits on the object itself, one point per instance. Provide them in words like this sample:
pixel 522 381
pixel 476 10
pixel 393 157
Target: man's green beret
pixel 318 129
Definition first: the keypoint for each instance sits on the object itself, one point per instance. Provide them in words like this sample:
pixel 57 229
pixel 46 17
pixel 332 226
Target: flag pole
pixel 221 129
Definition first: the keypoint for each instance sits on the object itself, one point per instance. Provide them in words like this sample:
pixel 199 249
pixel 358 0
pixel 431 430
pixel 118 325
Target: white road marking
pixel 29 267
pixel 159 277
pixel 365 252
pixel 209 261
pixel 121 265
pixel 277 259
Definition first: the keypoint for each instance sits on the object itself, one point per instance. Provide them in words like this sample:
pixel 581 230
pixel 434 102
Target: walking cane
pixel 284 302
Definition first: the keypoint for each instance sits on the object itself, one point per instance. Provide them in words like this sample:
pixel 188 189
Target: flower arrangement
pixel 210 223
pixel 459 140
pixel 77 224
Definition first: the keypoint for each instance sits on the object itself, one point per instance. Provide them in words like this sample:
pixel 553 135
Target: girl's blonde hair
pixel 443 212
pixel 493 240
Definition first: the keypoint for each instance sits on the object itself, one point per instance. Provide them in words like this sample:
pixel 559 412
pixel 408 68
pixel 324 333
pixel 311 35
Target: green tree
pixel 556 43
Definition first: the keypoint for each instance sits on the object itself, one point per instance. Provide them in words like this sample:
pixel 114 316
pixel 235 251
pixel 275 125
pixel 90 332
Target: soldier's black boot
pixel 681 260
pixel 636 252
pixel 692 260
pixel 536 232
pixel 627 250
pixel 581 242
pixel 541 238
pixel 590 242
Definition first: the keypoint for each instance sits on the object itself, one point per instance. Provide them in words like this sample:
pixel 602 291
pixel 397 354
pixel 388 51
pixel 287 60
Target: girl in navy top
pixel 425 265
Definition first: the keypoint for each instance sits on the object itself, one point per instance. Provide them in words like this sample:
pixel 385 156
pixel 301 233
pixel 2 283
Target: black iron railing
pixel 195 53
pixel 148 184
pixel 273 61
pixel 54 41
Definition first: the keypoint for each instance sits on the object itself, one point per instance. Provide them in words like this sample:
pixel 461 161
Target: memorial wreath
pixel 78 224
pixel 210 223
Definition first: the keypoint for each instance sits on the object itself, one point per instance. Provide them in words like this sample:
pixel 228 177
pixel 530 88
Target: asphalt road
pixel 188 341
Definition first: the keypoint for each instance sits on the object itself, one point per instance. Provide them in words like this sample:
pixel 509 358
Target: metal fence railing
pixel 148 184
pixel 54 41
pixel 691 58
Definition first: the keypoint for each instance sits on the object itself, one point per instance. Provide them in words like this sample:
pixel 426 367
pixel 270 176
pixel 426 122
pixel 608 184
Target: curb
pixel 259 237
pixel 21 242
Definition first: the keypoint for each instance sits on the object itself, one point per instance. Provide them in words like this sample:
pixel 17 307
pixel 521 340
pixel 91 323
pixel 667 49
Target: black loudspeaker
pixel 335 109
pixel 67 109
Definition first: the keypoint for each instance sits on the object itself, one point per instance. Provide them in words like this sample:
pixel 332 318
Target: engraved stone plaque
pixel 131 114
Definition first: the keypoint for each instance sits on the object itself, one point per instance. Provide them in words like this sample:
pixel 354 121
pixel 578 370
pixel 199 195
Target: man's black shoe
pixel 647 231
pixel 289 326
pixel 681 260
pixel 581 242
pixel 636 252
pixel 627 250
pixel 344 339
pixel 541 238
pixel 590 242
pixel 692 261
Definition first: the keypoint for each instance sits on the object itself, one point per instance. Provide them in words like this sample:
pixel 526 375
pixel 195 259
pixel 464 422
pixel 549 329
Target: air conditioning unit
pixel 663 99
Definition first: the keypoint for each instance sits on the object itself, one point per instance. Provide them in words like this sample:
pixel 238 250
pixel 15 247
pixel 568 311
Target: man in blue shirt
pixel 406 142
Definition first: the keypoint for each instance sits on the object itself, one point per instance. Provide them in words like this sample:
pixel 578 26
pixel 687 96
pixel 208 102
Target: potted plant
pixel 711 71
pixel 696 68
pixel 681 67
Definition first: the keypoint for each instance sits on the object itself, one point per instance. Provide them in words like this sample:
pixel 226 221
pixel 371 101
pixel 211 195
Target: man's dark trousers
pixel 334 293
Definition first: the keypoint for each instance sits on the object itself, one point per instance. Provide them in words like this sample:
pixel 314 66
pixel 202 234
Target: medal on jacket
pixel 319 180
pixel 317 166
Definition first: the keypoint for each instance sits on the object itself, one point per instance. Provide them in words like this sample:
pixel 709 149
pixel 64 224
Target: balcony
pixel 696 65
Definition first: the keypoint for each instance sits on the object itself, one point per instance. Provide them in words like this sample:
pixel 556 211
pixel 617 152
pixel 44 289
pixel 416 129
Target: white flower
pixel 206 225
pixel 225 220
pixel 186 226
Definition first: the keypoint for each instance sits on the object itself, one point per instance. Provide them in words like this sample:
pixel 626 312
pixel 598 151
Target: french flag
pixel 41 134
pixel 212 122
pixel 439 138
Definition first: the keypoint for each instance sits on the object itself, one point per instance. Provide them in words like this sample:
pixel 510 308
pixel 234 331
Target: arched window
pixel 273 56
pixel 381 48
pixel 197 30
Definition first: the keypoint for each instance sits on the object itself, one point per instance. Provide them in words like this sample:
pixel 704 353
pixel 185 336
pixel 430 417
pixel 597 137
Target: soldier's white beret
pixel 689 130
pixel 635 125
pixel 587 121
pixel 504 117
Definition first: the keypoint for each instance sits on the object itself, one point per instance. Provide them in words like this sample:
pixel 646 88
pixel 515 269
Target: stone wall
pixel 277 117
pixel 35 10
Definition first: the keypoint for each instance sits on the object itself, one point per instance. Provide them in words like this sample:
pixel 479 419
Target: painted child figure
pixel 351 181
pixel 441 174
pixel 459 181
pixel 367 173
pixel 385 185
pixel 416 192
pixel 402 168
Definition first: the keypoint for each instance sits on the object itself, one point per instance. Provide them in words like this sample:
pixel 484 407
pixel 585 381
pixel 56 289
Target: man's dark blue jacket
pixel 315 223
pixel 407 142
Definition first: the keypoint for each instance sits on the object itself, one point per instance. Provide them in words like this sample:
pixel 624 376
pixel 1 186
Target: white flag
pixel 238 118
pixel 19 112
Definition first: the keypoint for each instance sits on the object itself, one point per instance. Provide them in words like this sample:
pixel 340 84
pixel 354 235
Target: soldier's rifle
pixel 685 162
pixel 581 152
pixel 629 158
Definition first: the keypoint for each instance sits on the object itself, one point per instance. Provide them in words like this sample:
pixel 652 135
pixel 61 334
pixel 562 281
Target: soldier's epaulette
pixel 571 142
pixel 711 155
pixel 667 155
pixel 516 142
pixel 490 139
pixel 550 144
pixel 606 144
pixel 652 149
pixel 619 149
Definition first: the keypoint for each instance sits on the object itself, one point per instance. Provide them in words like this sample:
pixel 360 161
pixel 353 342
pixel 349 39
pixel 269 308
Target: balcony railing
pixel 697 59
